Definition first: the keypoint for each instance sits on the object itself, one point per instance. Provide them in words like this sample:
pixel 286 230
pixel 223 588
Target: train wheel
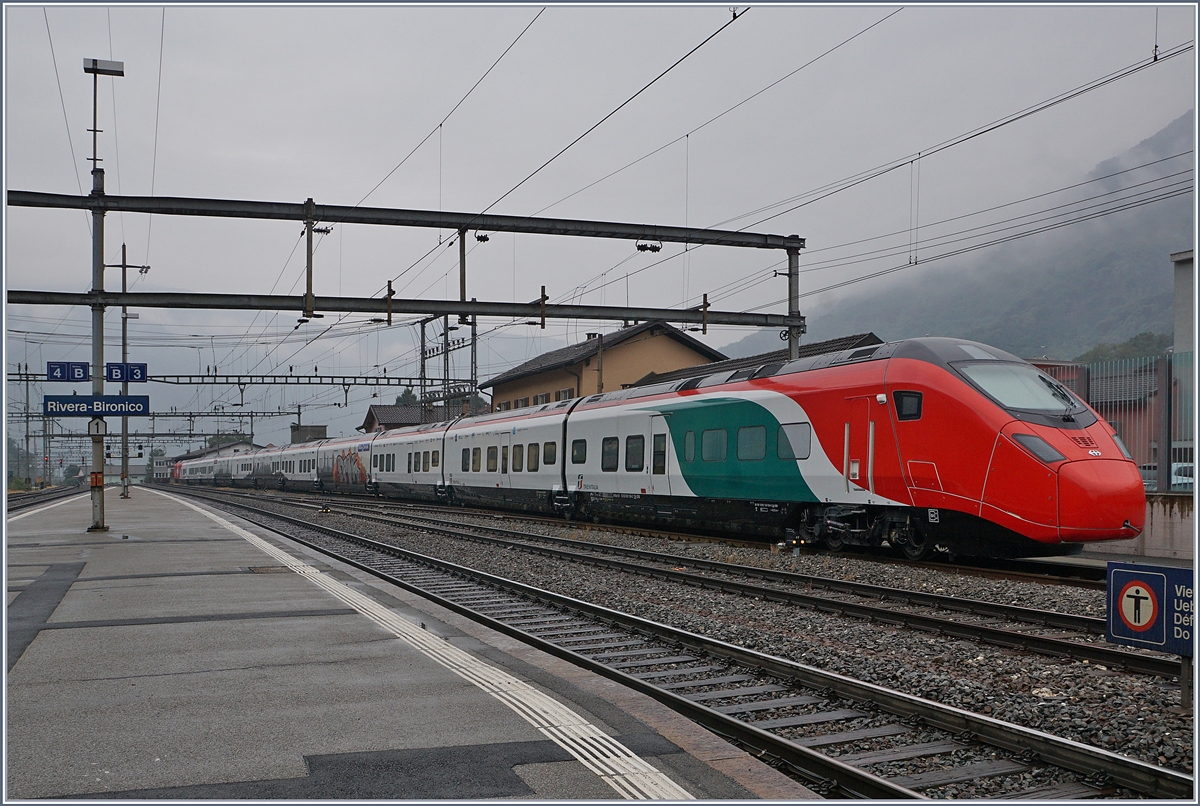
pixel 916 546
pixel 833 542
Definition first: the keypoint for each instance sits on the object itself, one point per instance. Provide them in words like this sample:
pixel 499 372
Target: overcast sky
pixel 286 103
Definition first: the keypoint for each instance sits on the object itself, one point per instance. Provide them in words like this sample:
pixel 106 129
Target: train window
pixel 504 459
pixel 635 453
pixel 660 455
pixel 493 455
pixel 689 446
pixel 518 458
pixel 579 451
pixel 425 462
pixel 549 453
pixel 908 405
pixel 466 465
pixel 752 443
pixel 533 457
pixel 435 457
pixel 714 444
pixel 610 447
pixel 475 460
pixel 794 441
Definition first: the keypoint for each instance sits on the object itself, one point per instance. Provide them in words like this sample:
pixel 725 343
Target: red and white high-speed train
pixel 922 444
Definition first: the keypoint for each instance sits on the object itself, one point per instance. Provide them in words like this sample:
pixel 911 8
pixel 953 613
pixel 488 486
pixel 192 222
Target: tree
pixel 216 440
pixel 1140 346
pixel 71 472
pixel 406 398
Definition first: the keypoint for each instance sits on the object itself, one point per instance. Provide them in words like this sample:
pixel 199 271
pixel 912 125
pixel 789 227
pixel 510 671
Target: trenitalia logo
pixel 96 405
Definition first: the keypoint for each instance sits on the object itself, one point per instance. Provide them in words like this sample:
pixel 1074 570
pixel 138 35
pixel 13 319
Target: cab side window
pixel 908 405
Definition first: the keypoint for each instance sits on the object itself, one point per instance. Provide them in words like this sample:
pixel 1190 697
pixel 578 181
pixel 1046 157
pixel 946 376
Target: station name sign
pixel 96 405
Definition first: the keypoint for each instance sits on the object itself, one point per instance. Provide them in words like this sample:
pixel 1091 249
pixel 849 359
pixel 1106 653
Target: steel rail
pixel 986 569
pixel 28 500
pixel 1137 775
pixel 815 767
pixel 1028 615
pixel 1146 664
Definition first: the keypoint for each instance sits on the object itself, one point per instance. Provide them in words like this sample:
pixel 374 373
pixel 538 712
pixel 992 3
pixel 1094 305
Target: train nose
pixel 1100 499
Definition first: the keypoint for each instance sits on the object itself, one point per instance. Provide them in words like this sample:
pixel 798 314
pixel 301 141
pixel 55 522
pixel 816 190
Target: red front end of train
pixel 993 456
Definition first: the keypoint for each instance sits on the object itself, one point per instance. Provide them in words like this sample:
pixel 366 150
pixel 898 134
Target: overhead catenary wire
pixel 722 114
pixel 438 127
pixel 622 105
pixel 1004 239
pixel 70 142
pixel 832 188
pixel 157 109
pixel 767 273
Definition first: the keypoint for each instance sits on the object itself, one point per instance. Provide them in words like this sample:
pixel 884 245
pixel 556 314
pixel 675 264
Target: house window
pixel 504 405
pixel 564 394
pixel 540 399
pixel 521 403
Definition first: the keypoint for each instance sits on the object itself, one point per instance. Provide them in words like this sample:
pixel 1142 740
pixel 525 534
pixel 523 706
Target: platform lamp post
pixel 97 428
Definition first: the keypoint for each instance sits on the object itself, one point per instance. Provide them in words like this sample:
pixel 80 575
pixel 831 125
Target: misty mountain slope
pixel 1057 293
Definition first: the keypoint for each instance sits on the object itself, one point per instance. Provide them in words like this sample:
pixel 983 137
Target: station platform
pixel 187 654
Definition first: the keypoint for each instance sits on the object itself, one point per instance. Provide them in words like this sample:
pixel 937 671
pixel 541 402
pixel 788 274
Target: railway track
pixel 1023 628
pixel 16 503
pixel 806 720
pixel 1041 570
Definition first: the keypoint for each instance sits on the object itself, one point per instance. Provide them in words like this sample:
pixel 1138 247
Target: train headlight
pixel 1039 448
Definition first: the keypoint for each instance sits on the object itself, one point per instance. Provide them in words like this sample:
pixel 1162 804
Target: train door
pixel 660 456
pixel 858 447
pixel 504 480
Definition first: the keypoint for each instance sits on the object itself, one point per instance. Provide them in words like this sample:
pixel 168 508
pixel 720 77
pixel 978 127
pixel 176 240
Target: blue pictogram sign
pixel 1151 606
pixel 67 371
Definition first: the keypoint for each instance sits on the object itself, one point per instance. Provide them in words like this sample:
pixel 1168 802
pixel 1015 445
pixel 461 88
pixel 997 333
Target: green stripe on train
pixel 766 479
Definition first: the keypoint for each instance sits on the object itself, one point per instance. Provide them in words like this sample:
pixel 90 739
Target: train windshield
pixel 1020 386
